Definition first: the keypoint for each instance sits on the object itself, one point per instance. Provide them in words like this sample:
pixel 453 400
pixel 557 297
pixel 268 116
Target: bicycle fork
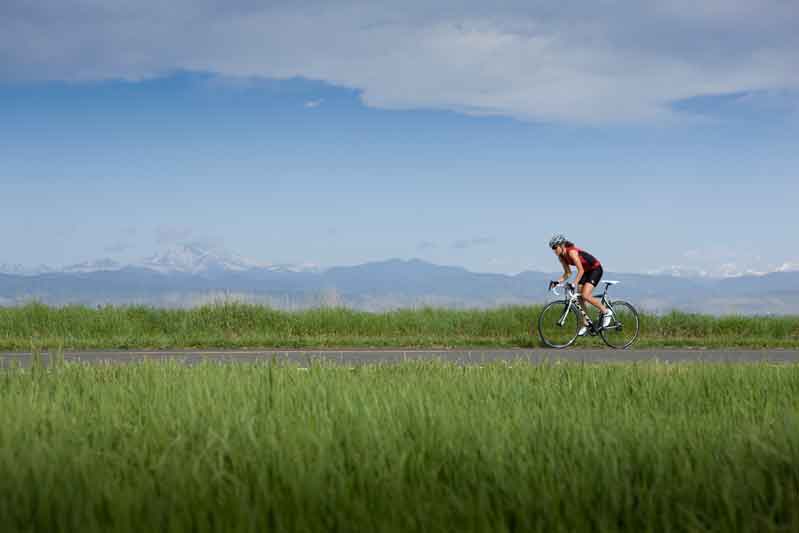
pixel 586 319
pixel 585 316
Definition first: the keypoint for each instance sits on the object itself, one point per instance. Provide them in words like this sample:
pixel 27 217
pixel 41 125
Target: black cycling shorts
pixel 591 276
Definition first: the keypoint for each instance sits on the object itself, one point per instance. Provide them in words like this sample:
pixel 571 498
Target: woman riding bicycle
pixel 589 272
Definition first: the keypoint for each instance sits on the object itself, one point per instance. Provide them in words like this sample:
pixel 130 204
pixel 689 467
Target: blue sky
pixel 344 153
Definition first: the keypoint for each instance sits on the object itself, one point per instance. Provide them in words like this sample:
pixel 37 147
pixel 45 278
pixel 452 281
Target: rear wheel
pixel 558 324
pixel 624 327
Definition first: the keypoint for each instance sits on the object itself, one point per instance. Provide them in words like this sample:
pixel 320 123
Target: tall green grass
pixel 422 447
pixel 239 325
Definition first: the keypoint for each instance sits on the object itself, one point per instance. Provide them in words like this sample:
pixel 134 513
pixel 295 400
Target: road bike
pixel 560 321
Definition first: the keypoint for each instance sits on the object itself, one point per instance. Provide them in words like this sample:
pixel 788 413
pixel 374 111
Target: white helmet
pixel 556 240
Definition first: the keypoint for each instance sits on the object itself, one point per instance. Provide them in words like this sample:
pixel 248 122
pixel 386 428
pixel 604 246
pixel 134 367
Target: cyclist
pixel 589 272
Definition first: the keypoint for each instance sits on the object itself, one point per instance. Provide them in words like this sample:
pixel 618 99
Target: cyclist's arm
pixel 567 271
pixel 578 265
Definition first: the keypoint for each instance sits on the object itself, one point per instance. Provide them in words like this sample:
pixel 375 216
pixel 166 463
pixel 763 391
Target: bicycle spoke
pixel 623 329
pixel 558 325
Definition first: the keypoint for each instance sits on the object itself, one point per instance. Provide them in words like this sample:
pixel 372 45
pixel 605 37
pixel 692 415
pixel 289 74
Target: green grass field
pixel 422 447
pixel 247 326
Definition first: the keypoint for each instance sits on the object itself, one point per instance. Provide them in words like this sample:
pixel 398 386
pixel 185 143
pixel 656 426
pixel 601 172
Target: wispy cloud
pixel 118 247
pixel 167 235
pixel 473 242
pixel 584 62
pixel 124 241
pixel 173 234
pixel 426 245
pixel 311 104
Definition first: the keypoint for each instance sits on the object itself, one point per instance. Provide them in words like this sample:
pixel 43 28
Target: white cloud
pixel 311 104
pixel 569 61
pixel 789 266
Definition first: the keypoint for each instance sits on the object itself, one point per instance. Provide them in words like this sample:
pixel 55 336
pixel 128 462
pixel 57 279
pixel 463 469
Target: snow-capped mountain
pixel 788 266
pixel 99 265
pixel 193 259
pixel 304 267
pixel 678 271
pixel 191 276
pixel 184 259
pixel 723 271
pixel 21 270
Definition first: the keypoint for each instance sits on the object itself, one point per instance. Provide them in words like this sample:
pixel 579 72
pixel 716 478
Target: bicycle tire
pixel 631 323
pixel 548 319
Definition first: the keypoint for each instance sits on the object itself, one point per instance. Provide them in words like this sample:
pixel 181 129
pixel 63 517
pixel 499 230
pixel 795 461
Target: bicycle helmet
pixel 556 240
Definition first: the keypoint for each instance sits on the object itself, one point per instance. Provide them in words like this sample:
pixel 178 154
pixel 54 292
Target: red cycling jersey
pixel 588 261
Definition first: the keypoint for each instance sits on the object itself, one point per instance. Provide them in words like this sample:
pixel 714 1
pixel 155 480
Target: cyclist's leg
pixel 587 292
pixel 584 308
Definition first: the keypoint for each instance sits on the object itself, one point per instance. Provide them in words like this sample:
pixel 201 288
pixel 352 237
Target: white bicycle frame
pixel 573 299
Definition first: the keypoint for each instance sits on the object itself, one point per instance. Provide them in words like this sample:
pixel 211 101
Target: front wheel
pixel 623 328
pixel 558 324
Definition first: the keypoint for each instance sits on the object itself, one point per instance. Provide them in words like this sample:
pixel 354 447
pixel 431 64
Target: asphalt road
pixel 460 356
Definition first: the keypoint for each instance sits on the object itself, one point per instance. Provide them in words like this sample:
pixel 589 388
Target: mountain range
pixel 184 259
pixel 191 275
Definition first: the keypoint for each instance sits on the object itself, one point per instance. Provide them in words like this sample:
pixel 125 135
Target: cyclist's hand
pixel 552 285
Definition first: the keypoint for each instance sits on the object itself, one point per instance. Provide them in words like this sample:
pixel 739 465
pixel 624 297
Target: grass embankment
pixel 412 447
pixel 247 326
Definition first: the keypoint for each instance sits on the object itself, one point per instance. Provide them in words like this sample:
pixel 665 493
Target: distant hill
pixel 194 276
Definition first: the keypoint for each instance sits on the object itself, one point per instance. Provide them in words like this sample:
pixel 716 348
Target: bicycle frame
pixel 573 299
